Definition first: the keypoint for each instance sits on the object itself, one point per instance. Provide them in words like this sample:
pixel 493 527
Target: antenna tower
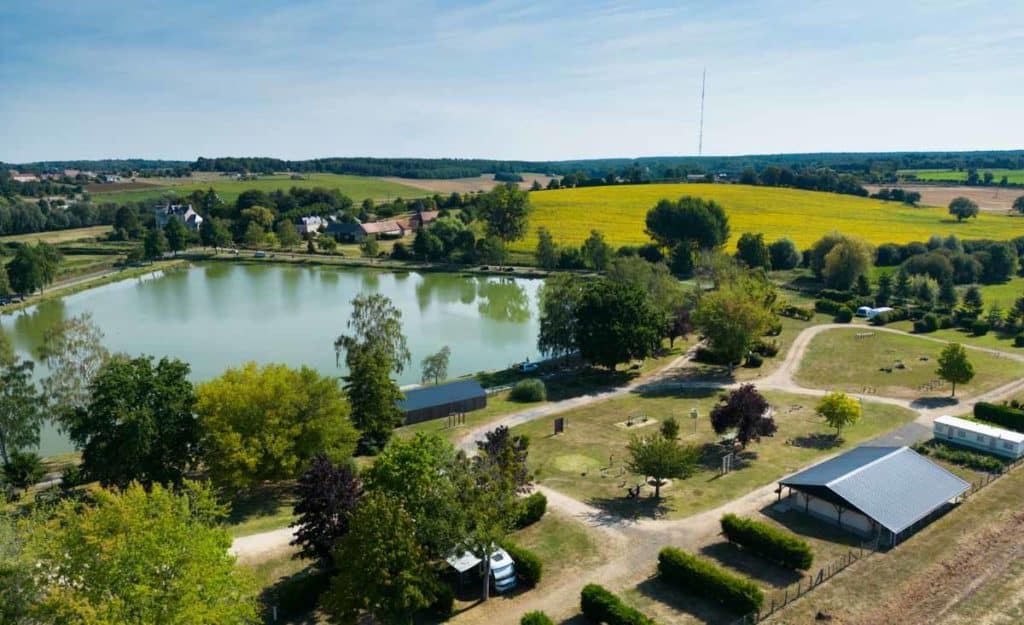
pixel 700 137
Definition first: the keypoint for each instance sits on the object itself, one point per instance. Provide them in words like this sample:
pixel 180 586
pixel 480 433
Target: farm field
pixel 58 236
pixel 992 199
pixel 803 216
pixel 863 359
pixel 485 182
pixel 356 187
pixel 577 462
pixel 1013 176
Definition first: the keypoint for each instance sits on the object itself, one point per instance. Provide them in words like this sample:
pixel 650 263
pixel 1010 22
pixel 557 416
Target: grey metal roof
pixel 440 394
pixel 895 486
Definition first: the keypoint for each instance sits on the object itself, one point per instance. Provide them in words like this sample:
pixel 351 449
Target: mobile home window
pixel 981 438
pixel 961 434
pixel 1008 445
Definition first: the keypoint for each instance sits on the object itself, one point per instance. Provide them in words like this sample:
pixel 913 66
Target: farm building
pixel 345 231
pixel 980 436
pixel 441 400
pixel 876 492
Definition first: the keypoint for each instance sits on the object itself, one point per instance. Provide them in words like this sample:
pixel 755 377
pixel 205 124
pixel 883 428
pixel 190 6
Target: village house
pixel 182 212
pixel 311 224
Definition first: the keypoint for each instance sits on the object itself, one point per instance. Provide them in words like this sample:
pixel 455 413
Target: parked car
pixel 260 254
pixel 503 571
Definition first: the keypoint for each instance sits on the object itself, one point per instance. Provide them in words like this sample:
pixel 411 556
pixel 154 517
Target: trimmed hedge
pixel 529 568
pixel 532 510
pixel 702 578
pixel 782 548
pixel 528 391
pixel 844 315
pixel 827 306
pixel 961 456
pixel 601 606
pixel 980 327
pixel 768 349
pixel 536 618
pixel 999 414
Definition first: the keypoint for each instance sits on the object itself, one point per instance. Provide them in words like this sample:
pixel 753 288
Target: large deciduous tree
pixel 327 495
pixel 547 251
pixel 744 410
pixel 505 210
pixel 559 297
pixel 33 267
pixel 735 315
pixel 73 353
pixel 265 424
pixel 155 244
pixel 616 323
pixel 139 423
pixel 177 235
pixel 21 416
pixel 954 366
pixel 839 410
pixel 686 226
pixel 662 458
pixel 753 251
pixel 839 259
pixel 963 208
pixel 435 366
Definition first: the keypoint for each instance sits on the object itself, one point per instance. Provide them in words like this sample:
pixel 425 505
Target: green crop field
pixel 356 187
pixel 803 216
pixel 1013 176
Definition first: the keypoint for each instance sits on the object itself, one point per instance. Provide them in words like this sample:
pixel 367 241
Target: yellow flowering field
pixel 804 216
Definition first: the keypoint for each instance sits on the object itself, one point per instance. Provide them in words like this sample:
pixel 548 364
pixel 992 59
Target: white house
pixel 311 224
pixel 182 212
pixel 991 439
pixel 871 313
pixel 111 178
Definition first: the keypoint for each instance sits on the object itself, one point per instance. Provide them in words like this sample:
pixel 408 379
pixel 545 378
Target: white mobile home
pixel 991 439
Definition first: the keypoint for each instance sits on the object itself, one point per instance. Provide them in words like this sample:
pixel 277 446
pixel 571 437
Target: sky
pixel 506 79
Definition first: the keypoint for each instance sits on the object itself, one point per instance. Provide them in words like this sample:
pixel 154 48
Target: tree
pixel 213 233
pixel 972 299
pixel 547 251
pixel 137 556
pixel 33 267
pixel 670 428
pixel 370 248
pixel 662 458
pixel 254 236
pixel 327 495
pixel 388 574
pixel 863 285
pixel 435 366
pixel 559 297
pixel 509 454
pixel 126 220
pixel 505 209
pixel 746 411
pixel 287 236
pixel 616 323
pixel 784 254
pixel 141 415
pixel 947 294
pixel 752 250
pixel 1018 204
pixel 954 366
pixel 701 223
pixel 596 253
pixel 73 353
pixel 839 260
pixel 735 315
pixel 154 246
pixel 327 244
pixel 884 290
pixel 21 416
pixel 23 469
pixel 839 410
pixel 963 208
pixel 177 235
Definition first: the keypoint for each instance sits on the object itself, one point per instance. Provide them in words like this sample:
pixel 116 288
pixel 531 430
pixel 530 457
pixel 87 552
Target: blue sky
pixel 505 79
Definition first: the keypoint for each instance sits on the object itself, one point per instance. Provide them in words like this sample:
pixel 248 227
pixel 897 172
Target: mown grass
pixel 356 187
pixel 837 360
pixel 803 216
pixel 1013 176
pixel 587 462
pixel 58 236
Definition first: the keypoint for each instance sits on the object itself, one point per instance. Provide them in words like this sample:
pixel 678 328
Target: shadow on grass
pixel 296 597
pixel 702 609
pixel 661 391
pixel 579 619
pixel 264 500
pixel 618 510
pixel 934 402
pixel 816 441
pixel 751 565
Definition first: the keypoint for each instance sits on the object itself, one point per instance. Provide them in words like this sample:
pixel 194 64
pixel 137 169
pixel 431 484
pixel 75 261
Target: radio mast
pixel 700 137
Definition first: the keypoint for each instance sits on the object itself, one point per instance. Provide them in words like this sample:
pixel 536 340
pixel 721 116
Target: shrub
pixel 23 469
pixel 827 306
pixel 71 476
pixel 963 457
pixel 946 322
pixel 767 349
pixel 782 548
pixel 980 327
pixel 444 604
pixel 754 360
pixel 528 391
pixel 529 568
pixel 927 323
pixel 775 330
pixel 670 428
pixel 709 356
pixel 702 578
pixel 836 296
pixel 299 593
pixel 601 606
pixel 844 315
pixel 796 312
pixel 532 510
pixel 535 618
pixel 1018 341
pixel 998 414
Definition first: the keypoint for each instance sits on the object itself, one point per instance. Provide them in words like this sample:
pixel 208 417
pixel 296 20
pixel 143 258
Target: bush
pixel 531 390
pixel 775 330
pixel 299 593
pixel 601 606
pixel 767 349
pixel 71 476
pixel 529 568
pixel 709 356
pixel 836 296
pixel 535 618
pixel 963 457
pixel 754 360
pixel 997 414
pixel 782 548
pixel 24 469
pixel 946 322
pixel 980 327
pixel 796 312
pixel 927 323
pixel 532 510
pixel 704 579
pixel 827 306
pixel 444 604
pixel 670 428
pixel 1018 341
pixel 844 315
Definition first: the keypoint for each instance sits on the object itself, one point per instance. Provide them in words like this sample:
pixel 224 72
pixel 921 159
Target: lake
pixel 218 315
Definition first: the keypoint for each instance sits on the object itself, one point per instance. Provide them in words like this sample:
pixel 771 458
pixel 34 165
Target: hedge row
pixel 1000 415
pixel 529 568
pixel 702 578
pixel 963 457
pixel 601 606
pixel 782 548
pixel 532 510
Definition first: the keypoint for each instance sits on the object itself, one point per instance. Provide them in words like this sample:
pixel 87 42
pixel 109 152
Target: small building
pixel 981 436
pixel 422 218
pixel 503 569
pixel 311 224
pixel 441 400
pixel 111 178
pixel 697 177
pixel 345 231
pixel 182 212
pixel 387 229
pixel 885 493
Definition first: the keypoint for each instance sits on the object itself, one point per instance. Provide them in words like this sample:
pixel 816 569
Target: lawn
pixel 356 187
pixel 1013 176
pixel 1004 294
pixel 804 216
pixel 58 236
pixel 587 461
pixel 837 360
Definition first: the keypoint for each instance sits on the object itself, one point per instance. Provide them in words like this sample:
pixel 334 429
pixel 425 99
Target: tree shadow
pixel 296 596
pixel 934 402
pixel 753 566
pixel 662 391
pixel 816 441
pixel 264 500
pixel 613 511
pixel 704 610
pixel 579 619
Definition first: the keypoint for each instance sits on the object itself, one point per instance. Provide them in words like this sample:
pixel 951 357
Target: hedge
pixel 298 594
pixel 796 312
pixel 844 315
pixel 601 606
pixel 782 548
pixel 827 306
pixel 528 391
pixel 536 618
pixel 704 579
pixel 1018 341
pixel 529 568
pixel 532 510
pixel 963 457
pixel 836 296
pixel 980 327
pixel 1000 415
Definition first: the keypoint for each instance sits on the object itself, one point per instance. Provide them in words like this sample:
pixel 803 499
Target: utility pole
pixel 700 137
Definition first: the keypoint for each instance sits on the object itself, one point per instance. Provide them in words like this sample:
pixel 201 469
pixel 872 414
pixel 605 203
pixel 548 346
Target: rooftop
pixel 982 428
pixel 440 394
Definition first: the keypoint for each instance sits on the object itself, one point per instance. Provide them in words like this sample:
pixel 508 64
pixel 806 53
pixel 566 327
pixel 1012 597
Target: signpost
pixel 693 415
pixel 559 425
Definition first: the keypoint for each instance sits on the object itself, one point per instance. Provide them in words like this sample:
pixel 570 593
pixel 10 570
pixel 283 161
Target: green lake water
pixel 219 315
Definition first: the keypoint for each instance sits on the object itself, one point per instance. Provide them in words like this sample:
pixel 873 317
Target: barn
pixel 441 400
pixel 886 493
